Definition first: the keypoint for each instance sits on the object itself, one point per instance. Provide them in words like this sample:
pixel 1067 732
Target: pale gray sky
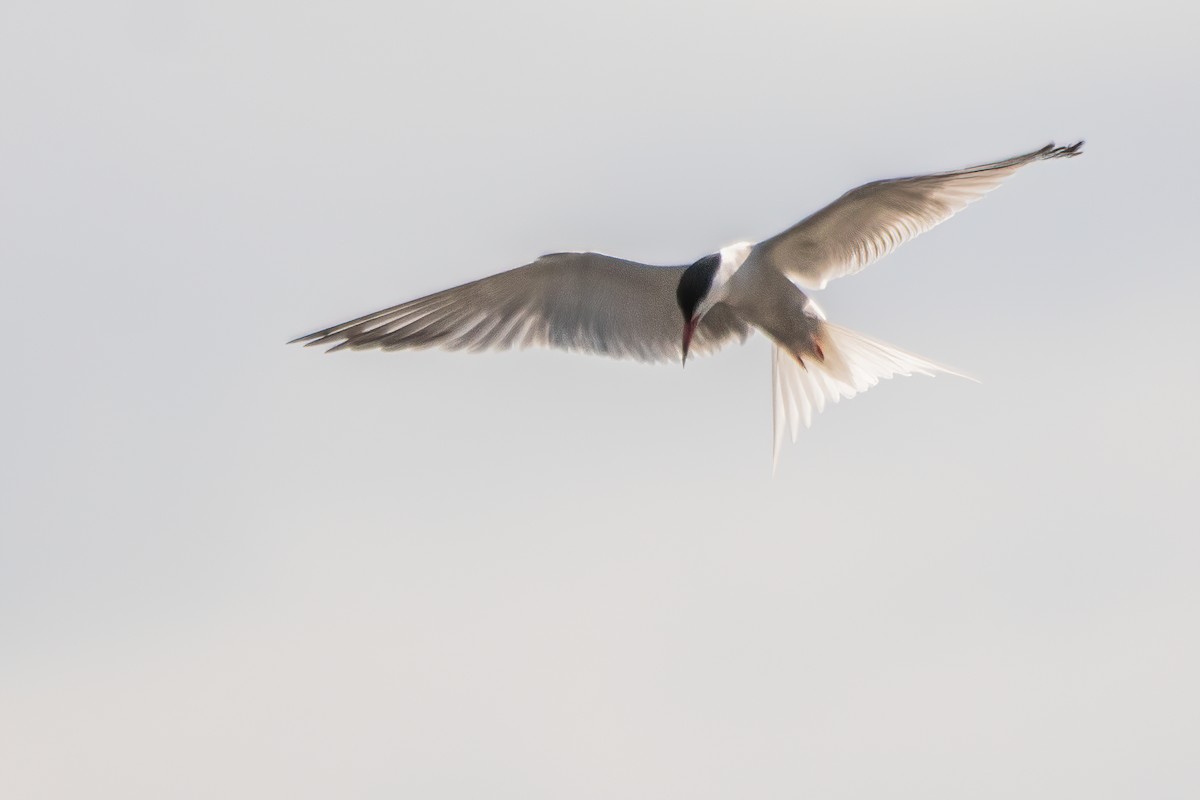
pixel 229 568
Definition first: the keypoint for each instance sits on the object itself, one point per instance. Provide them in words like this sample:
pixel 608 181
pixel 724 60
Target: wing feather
pixel 571 301
pixel 867 223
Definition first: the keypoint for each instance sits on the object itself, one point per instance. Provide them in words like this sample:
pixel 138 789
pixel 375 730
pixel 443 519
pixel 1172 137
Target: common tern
pixel 600 304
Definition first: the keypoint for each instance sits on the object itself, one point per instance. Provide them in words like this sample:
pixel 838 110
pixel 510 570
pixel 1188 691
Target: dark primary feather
pixel 572 301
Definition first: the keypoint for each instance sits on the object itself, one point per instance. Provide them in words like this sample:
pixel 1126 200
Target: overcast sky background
pixel 231 568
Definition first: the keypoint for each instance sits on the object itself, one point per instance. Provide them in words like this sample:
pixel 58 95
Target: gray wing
pixel 573 301
pixel 867 223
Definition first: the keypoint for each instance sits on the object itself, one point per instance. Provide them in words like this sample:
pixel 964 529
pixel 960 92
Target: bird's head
pixel 693 295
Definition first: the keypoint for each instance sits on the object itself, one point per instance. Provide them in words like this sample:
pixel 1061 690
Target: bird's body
pixel 600 304
pixel 765 298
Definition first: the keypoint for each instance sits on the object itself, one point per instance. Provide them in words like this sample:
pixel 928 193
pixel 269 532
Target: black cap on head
pixel 695 283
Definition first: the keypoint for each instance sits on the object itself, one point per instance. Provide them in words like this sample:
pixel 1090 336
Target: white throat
pixel 732 258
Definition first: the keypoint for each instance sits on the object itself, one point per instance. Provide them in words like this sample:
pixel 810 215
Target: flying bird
pixel 600 304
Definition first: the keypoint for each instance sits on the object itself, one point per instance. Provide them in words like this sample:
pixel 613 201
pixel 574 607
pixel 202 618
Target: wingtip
pixel 309 339
pixel 1066 151
pixel 319 339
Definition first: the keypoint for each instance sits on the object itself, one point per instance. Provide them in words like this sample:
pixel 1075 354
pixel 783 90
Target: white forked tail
pixel 853 363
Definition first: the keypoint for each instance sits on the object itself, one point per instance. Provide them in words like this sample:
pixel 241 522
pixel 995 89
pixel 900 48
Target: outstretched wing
pixel 573 301
pixel 867 223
